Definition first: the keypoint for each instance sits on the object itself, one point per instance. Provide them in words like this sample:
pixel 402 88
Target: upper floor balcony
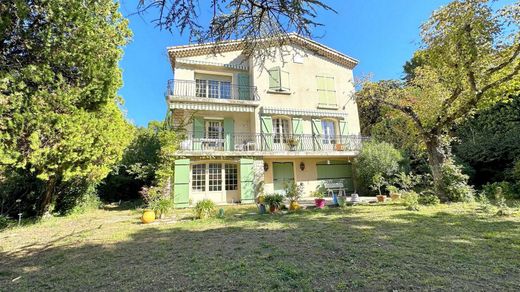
pixel 210 90
pixel 201 143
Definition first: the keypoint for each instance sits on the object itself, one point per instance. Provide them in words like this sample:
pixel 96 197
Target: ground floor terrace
pixel 232 180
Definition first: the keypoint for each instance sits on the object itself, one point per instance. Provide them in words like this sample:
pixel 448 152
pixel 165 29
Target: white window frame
pixel 281 134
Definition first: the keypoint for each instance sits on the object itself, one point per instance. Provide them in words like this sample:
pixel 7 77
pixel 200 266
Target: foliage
pixel 318 193
pixel 378 181
pixel 469 60
pixel 274 200
pixel 79 199
pixel 455 183
pixel 490 142
pixel 392 189
pixel 507 189
pixel 205 209
pixel 249 20
pixel 161 205
pixel 293 191
pixel 60 118
pixel 4 222
pixel 138 166
pixel 376 158
pixel 411 200
pixel 428 198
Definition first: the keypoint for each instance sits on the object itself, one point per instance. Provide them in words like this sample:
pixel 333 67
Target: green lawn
pixel 377 247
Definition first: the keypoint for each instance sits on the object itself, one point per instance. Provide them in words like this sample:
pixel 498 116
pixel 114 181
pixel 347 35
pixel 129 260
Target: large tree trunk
pixel 436 158
pixel 47 197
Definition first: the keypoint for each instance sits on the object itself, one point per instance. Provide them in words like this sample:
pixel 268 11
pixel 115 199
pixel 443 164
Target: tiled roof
pixel 235 45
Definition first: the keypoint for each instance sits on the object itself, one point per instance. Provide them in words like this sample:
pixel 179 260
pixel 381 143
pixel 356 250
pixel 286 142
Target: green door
pixel 282 173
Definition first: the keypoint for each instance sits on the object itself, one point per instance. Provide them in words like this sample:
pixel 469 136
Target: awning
pixel 205 63
pixel 212 107
pixel 303 113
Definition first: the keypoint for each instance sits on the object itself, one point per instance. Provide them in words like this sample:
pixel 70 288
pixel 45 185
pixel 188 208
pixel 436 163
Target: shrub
pixel 411 200
pixel 4 222
pixel 428 198
pixel 274 200
pixel 293 191
pixel 205 209
pixel 508 190
pixel 374 158
pixel 456 183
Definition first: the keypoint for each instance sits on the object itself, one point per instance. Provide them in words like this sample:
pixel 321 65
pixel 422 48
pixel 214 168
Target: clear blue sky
pixel 381 34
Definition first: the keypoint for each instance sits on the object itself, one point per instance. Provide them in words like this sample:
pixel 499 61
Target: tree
pixel 469 60
pixel 253 21
pixel 60 119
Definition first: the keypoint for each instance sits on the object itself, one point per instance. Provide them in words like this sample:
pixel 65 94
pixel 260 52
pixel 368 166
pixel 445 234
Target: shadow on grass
pixel 331 249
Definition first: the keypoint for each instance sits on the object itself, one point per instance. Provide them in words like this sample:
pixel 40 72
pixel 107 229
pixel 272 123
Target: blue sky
pixel 381 34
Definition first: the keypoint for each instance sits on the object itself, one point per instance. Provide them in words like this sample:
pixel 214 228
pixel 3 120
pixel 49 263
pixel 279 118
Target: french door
pixel 281 133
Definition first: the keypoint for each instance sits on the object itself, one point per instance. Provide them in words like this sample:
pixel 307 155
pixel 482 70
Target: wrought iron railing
pixel 210 89
pixel 247 142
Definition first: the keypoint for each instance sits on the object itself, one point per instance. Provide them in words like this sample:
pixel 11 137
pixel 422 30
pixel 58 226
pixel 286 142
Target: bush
pixel 508 190
pixel 4 222
pixel 274 200
pixel 205 209
pixel 456 183
pixel 429 199
pixel 411 200
pixel 374 158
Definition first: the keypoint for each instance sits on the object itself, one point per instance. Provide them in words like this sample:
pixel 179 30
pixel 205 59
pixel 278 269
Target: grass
pixel 376 247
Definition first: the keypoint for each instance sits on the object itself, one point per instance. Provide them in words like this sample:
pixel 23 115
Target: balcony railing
pixel 210 89
pixel 200 141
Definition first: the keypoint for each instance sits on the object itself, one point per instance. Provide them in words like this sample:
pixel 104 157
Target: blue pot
pixel 334 199
pixel 261 209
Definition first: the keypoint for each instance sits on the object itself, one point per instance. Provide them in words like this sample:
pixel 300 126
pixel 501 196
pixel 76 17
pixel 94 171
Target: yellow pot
pixel 395 196
pixel 293 206
pixel 148 216
pixel 261 199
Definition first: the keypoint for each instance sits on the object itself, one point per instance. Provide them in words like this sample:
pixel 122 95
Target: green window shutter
pixel 244 92
pixel 198 132
pixel 284 80
pixel 181 183
pixel 297 127
pixel 274 78
pixel 331 91
pixel 343 131
pixel 229 134
pixel 317 132
pixel 322 94
pixel 247 194
pixel 267 129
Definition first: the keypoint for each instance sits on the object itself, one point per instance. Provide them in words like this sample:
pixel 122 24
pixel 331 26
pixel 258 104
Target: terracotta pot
pixel 272 208
pixel 380 198
pixel 319 203
pixel 293 206
pixel 395 196
pixel 148 216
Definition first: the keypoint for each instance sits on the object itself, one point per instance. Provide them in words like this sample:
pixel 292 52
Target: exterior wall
pixel 242 121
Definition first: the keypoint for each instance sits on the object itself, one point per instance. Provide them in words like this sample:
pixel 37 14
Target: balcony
pixel 264 144
pixel 210 90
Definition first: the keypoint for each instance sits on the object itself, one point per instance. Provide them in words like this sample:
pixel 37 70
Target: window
pixel 198 177
pixel 214 177
pixel 231 176
pixel 328 131
pixel 278 79
pixel 281 130
pixel 326 91
pixel 214 130
pixel 200 88
pixel 212 88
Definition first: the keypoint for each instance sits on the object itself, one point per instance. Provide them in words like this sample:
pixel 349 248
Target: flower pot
pixel 395 196
pixel 293 206
pixel 261 209
pixel 319 203
pixel 261 199
pixel 380 198
pixel 272 208
pixel 148 216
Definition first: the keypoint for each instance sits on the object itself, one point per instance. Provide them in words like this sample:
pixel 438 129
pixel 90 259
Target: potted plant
pixel 319 200
pixel 148 216
pixel 292 142
pixel 394 193
pixel 260 198
pixel 274 201
pixel 160 206
pixel 293 192
pixel 378 181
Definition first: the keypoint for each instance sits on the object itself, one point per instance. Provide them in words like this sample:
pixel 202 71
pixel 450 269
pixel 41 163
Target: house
pixel 290 116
